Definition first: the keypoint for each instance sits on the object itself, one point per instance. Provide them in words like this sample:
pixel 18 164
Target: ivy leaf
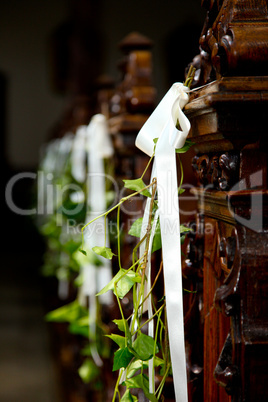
pixel 157 242
pixel 82 258
pixel 118 339
pixel 158 361
pixel 83 251
pixel 70 246
pixel 121 324
pixel 86 351
pixel 181 190
pixel 80 327
pixel 155 142
pixel 124 280
pixel 67 313
pixel 79 280
pixel 105 252
pixel 122 357
pixel 135 229
pixel 127 397
pixel 187 145
pixel 124 285
pixel 184 229
pixel 88 371
pixel 137 185
pixel 143 347
pixel 135 366
pixel 140 381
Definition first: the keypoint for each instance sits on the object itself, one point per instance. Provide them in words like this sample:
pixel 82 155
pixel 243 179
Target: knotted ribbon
pixel 162 125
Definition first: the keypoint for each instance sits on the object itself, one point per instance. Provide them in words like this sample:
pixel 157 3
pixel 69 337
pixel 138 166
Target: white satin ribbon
pixel 78 157
pixel 162 125
pixel 98 146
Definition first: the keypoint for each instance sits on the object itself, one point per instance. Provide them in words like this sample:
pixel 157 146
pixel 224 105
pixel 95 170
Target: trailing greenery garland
pixel 135 348
pixel 63 260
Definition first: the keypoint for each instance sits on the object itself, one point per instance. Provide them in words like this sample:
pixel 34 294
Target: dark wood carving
pixel 229 127
pixel 234 40
pixel 217 171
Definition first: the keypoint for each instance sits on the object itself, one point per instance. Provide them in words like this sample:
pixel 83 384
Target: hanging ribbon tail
pixel 97 145
pixel 162 125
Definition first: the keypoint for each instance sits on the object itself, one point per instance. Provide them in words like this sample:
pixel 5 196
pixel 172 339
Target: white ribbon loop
pixel 177 137
pixel 169 107
pixel 162 125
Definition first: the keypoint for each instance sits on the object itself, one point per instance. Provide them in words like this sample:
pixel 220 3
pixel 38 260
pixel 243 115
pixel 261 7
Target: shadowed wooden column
pixel 130 106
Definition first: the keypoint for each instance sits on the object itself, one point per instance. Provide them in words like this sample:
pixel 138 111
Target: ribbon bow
pixel 162 125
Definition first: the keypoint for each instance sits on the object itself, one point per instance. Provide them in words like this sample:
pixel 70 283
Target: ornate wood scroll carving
pixel 234 40
pixel 225 372
pixel 217 171
pixel 193 306
pixel 242 298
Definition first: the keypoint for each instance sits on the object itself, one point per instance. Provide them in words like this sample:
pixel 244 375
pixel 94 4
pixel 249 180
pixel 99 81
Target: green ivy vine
pixel 135 348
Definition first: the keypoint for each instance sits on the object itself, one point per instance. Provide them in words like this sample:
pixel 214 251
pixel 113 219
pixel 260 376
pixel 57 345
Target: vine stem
pixel 167 361
pixel 150 319
pixel 145 256
pixel 118 237
pixel 148 164
pixel 190 76
pixel 105 230
pixel 152 287
pixel 105 214
pixel 116 390
pixel 181 170
pixel 155 343
pixel 121 312
pixel 133 264
pixel 162 383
